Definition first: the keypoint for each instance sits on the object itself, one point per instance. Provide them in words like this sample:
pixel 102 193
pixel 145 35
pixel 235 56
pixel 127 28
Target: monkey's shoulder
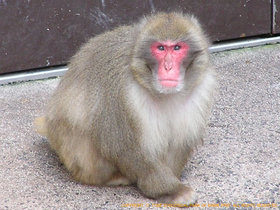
pixel 102 56
pixel 118 38
pixel 104 51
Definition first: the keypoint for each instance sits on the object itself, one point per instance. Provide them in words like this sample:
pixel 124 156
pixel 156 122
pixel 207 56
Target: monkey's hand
pixel 182 198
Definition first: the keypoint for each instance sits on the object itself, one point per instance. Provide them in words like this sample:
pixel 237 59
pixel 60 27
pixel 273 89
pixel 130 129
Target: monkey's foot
pixel 117 180
pixel 182 198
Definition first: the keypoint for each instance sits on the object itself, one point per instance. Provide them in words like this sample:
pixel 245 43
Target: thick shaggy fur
pixel 110 122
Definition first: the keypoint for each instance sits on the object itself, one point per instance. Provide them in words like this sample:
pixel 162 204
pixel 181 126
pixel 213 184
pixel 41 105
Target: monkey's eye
pixel 161 47
pixel 177 47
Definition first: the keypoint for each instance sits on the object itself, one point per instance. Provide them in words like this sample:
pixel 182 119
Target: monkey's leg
pixel 91 168
pixel 79 156
pixel 156 180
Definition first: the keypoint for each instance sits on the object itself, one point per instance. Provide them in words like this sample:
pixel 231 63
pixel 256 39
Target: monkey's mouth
pixel 169 83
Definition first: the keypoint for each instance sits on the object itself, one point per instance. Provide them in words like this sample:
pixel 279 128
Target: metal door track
pixel 59 71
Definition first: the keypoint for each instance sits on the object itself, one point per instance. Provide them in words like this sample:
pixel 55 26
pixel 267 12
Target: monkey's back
pixel 90 97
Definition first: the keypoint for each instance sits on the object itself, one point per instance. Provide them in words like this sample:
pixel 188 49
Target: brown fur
pixel 109 123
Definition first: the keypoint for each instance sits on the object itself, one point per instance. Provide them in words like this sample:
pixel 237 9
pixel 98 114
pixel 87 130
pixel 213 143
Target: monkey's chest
pixel 177 122
pixel 163 129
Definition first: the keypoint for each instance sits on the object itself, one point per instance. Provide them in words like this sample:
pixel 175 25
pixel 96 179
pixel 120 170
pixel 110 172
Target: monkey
pixel 134 105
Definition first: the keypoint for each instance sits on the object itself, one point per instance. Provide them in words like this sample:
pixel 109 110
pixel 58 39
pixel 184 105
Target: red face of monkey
pixel 169 56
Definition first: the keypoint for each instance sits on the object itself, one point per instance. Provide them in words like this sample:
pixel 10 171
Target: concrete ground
pixel 239 163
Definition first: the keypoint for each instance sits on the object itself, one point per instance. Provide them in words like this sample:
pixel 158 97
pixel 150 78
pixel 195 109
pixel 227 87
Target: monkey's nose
pixel 168 64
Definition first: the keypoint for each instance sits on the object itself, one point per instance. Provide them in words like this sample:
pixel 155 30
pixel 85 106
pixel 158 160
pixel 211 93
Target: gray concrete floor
pixel 239 162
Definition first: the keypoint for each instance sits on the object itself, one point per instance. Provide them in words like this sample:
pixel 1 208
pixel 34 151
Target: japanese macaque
pixel 133 106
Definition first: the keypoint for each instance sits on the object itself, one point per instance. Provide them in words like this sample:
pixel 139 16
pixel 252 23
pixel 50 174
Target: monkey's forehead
pixel 168 26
